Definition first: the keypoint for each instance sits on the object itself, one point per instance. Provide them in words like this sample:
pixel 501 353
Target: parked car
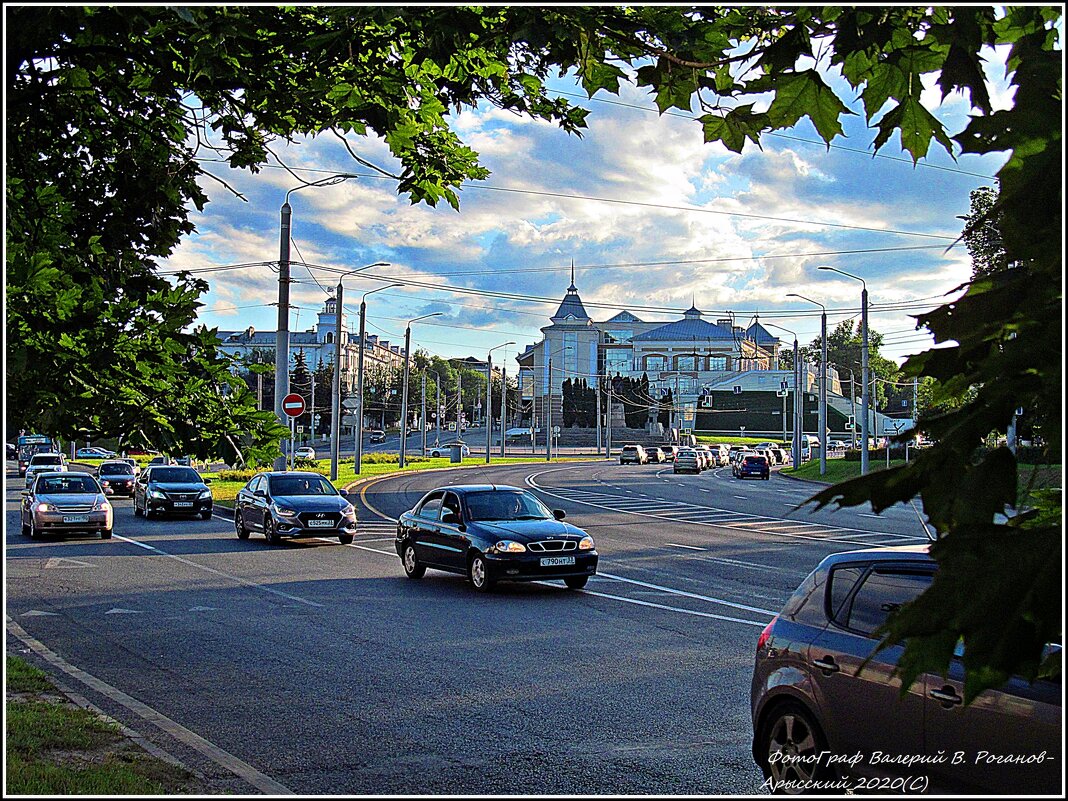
pixel 167 488
pixel 160 461
pixel 687 461
pixel 63 501
pixel 782 455
pixel 820 686
pixel 754 466
pixel 492 533
pixel 305 452
pixel 376 436
pixel 293 504
pixel 93 453
pixel 633 454
pixel 44 462
pixel 837 445
pixel 139 451
pixel 656 455
pixel 446 449
pixel 116 477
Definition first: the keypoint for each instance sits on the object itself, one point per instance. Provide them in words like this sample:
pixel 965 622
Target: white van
pixel 809 443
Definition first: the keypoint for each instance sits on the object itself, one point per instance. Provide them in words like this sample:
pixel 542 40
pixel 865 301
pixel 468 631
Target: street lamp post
pixel 865 397
pixel 404 392
pixel 281 342
pixel 489 400
pixel 358 435
pixel 823 381
pixel 795 443
pixel 335 402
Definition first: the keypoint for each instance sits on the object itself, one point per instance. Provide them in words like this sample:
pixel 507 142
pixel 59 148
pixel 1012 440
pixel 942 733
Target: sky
pixel 653 218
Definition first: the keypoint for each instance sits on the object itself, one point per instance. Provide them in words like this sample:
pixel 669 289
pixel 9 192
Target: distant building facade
pixel 318 346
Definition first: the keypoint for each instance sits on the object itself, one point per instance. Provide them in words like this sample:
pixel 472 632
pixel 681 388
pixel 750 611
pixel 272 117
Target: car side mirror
pixel 451 518
pixel 559 514
pixel 260 493
pixel 207 480
pixel 25 493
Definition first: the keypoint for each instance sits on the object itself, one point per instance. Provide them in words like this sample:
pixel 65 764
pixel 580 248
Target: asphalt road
pixel 317 668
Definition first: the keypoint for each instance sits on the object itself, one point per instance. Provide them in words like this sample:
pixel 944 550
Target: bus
pixel 29 444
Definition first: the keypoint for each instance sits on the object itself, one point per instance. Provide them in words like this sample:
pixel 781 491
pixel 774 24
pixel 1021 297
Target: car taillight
pixel 765 635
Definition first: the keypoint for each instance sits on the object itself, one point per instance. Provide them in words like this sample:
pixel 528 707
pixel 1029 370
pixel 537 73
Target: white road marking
pixel 203 609
pixel 243 582
pixel 864 514
pixel 39 613
pixel 742 497
pixel 689 547
pixel 636 602
pixel 685 594
pixel 65 562
pixel 263 783
pixel 372 550
pixel 121 611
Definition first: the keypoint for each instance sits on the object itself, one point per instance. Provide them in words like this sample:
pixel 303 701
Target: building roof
pixel 625 317
pixel 571 306
pixel 761 335
pixel 683 330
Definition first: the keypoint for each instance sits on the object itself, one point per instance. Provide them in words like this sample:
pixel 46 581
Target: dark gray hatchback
pixel 826 721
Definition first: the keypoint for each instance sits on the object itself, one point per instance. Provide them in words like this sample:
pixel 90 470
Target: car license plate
pixel 75 518
pixel 182 504
pixel 320 524
pixel 557 561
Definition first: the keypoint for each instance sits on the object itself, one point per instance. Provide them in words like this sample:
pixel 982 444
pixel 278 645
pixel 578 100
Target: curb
pixel 815 481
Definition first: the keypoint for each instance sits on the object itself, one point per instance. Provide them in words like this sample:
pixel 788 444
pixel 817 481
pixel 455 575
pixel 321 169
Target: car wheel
pixel 478 573
pixel 137 511
pixel 239 524
pixel 345 539
pixel 412 568
pixel 33 530
pixel 790 731
pixel 105 534
pixel 576 582
pixel 269 532
pixel 206 514
pixel 147 511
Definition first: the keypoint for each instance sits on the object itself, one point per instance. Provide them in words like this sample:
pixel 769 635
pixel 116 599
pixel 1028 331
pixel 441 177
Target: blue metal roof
pixel 683 330
pixel 760 335
pixel 625 317
pixel 571 305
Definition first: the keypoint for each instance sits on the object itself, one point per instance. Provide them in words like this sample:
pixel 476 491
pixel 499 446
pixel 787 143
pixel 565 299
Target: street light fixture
pixel 865 397
pixel 404 394
pixel 335 402
pixel 281 343
pixel 795 444
pixel 358 446
pixel 489 400
pixel 823 380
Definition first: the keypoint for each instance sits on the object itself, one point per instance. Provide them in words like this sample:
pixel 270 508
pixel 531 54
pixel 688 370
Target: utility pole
pixel 281 341
pixel 504 406
pixel 440 407
pixel 549 415
pixel 599 415
pixel 608 420
pixel 404 397
pixel 422 411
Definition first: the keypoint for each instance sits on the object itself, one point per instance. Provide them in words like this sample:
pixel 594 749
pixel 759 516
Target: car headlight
pixel 348 511
pixel 284 511
pixel 101 506
pixel 105 483
pixel 508 546
pixel 206 493
pixel 586 543
pixel 156 494
pixel 44 507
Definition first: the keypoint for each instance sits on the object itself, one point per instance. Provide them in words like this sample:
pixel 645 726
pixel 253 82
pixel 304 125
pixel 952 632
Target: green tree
pixel 982 233
pixel 108 109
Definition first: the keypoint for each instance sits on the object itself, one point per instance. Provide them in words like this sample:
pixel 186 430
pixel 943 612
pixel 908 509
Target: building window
pixel 618 335
pixel 655 364
pixel 329 337
pixel 570 354
pixel 617 361
pixel 686 362
pixel 717 363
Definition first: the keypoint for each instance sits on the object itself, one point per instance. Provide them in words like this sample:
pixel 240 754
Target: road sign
pixel 782 385
pixel 556 430
pixel 452 426
pixel 300 429
pixel 782 393
pixel 737 390
pixel 293 405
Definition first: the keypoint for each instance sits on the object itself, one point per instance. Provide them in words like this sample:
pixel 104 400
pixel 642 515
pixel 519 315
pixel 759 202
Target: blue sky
pixel 700 224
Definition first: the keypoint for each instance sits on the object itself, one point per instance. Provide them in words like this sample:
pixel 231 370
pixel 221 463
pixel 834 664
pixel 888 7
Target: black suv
pixel 827 707
pixel 293 504
pixel 165 488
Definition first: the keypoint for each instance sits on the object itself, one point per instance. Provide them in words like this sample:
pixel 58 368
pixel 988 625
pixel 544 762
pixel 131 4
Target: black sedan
pixel 491 533
pixel 116 477
pixel 164 488
pixel 293 504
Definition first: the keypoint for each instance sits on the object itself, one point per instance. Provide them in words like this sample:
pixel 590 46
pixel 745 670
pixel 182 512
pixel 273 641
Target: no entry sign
pixel 293 405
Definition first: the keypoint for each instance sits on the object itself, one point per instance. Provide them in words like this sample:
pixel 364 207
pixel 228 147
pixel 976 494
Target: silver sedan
pixel 61 502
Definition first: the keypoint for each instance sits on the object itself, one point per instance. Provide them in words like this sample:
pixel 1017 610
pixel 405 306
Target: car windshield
pixel 754 460
pixel 39 460
pixel 301 485
pixel 66 484
pixel 498 505
pixel 116 470
pixel 176 475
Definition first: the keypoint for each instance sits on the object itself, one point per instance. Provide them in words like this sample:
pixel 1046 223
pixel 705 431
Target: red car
pixel 135 451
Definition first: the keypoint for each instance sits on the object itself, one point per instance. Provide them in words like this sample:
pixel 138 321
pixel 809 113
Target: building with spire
pixel 692 357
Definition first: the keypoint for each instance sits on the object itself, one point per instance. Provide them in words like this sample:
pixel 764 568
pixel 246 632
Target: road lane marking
pixel 239 580
pixel 263 783
pixel 65 563
pixel 689 547
pixel 694 612
pixel 685 594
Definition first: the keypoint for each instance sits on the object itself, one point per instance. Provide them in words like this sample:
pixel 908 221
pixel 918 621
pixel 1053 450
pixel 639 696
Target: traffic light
pixel 851 422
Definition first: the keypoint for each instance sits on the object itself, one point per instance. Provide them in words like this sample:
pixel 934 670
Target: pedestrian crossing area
pixel 371 527
pixel 703 515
